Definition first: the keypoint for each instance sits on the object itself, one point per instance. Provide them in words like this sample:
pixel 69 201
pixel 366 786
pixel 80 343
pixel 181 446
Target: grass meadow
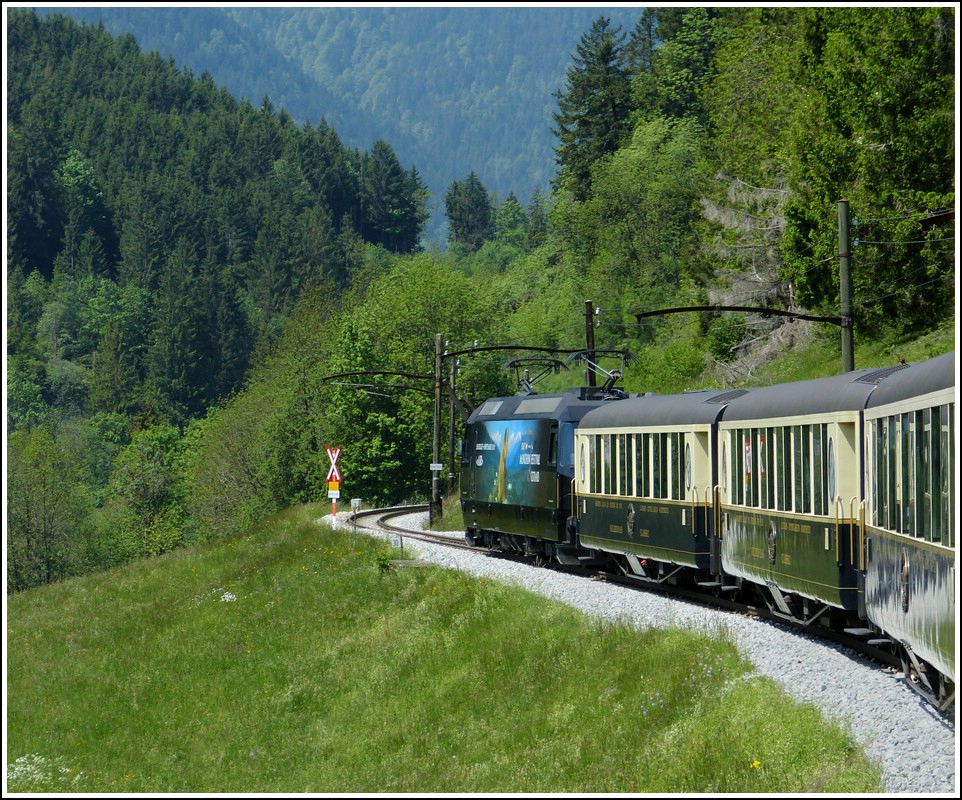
pixel 296 659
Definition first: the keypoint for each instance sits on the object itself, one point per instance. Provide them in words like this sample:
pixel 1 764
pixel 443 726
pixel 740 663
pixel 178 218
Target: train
pixel 829 501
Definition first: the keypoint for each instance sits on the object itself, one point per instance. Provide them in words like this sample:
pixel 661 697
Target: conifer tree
pixel 468 207
pixel 593 117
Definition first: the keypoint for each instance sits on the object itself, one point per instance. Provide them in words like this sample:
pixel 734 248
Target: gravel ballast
pixel 915 746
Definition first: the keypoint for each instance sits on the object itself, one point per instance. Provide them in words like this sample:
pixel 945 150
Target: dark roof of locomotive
pixel 691 408
pixel 915 380
pixel 569 406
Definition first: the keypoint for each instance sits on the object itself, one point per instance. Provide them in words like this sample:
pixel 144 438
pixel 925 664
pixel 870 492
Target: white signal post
pixel 333 479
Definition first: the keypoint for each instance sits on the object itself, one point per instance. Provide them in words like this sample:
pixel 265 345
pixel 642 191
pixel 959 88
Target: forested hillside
pixel 202 293
pixel 447 87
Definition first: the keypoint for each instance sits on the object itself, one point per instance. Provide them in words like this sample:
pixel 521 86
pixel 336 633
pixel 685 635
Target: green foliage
pixel 48 500
pixel 639 219
pixel 724 336
pixel 145 513
pixel 755 94
pixel 674 364
pixel 683 67
pixel 510 223
pixel 875 127
pixel 26 406
pixel 227 484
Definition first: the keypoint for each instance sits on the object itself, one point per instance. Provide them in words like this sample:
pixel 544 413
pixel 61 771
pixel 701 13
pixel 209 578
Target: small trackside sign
pixel 333 474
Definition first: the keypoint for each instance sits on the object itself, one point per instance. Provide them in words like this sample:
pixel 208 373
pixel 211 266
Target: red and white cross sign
pixel 333 474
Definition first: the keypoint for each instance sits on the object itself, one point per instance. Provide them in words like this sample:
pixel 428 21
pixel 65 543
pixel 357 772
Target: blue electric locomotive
pixel 516 469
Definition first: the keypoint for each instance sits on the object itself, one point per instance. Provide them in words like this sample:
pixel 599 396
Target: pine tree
pixel 468 207
pixel 510 222
pixel 593 117
pixel 390 214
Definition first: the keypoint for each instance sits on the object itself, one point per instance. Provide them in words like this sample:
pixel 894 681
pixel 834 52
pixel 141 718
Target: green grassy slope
pixel 296 659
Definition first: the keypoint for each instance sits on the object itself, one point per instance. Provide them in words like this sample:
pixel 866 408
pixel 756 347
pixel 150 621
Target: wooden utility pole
pixel 436 451
pixel 845 287
pixel 452 388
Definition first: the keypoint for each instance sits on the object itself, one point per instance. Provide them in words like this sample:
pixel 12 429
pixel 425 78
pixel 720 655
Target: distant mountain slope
pixel 450 89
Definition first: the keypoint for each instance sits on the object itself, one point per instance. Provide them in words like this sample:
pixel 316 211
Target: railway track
pixel 382 519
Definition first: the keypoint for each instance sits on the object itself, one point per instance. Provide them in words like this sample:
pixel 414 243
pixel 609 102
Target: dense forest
pixel 446 86
pixel 199 289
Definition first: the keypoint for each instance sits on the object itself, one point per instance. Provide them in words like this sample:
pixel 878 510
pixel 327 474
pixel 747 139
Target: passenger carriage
pixel 644 482
pixel 790 488
pixel 909 566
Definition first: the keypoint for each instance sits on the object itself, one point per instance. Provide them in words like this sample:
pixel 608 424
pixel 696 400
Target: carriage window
pixel 607 465
pixel 908 476
pixel 784 461
pixel 584 464
pixel 744 465
pixel 923 474
pixel 624 478
pixel 891 438
pixel 553 445
pixel 770 466
pixel 881 475
pixel 876 448
pixel 724 466
pixel 818 468
pixel 664 473
pixel 946 464
pixel 933 475
pixel 655 465
pixel 910 472
pixel 832 472
pixel 677 467
pixel 687 466
pixel 802 451
pixel 594 445
pixel 796 434
pixel 748 445
pixel 758 469
pixel 641 466
pixel 761 468
pixel 738 467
